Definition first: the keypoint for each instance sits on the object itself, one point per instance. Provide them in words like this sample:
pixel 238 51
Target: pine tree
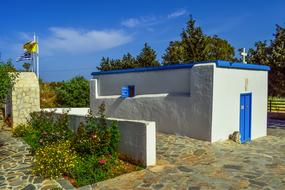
pixel 174 53
pixel 194 42
pixel 260 54
pixel 196 46
pixel 272 54
pixel 128 61
pixel 147 57
pixel 104 64
pixel 277 62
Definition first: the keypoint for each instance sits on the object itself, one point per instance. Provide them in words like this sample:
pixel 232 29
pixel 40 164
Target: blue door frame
pixel 245 117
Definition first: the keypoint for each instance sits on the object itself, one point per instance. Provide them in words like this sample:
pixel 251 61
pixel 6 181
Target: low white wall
pixel 228 85
pixel 138 138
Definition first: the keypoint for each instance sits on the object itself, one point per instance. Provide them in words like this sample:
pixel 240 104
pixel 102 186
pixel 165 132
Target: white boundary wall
pixel 138 138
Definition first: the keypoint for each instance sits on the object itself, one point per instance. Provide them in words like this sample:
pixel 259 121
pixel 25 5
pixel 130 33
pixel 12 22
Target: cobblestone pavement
pixel 183 163
pixel 276 123
pixel 15 166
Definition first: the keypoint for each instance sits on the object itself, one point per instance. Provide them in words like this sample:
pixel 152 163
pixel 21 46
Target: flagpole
pixel 38 58
pixel 34 57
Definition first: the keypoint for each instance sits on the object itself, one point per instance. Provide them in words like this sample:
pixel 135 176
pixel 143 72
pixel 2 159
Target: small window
pixel 132 91
pixel 128 91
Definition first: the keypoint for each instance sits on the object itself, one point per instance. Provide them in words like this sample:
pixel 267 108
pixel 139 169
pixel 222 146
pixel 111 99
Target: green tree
pixel 219 49
pixel 277 63
pixel 194 42
pixel 105 64
pixel 147 57
pixel 196 46
pixel 128 61
pixel 74 93
pixel 272 54
pixel 174 53
pixel 260 54
pixel 8 76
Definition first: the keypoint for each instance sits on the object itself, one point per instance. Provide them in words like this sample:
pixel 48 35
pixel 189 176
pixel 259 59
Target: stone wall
pixel 25 97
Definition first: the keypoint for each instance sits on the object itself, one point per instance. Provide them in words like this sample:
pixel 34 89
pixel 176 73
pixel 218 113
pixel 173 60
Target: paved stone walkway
pixel 183 163
pixel 15 166
pixel 276 123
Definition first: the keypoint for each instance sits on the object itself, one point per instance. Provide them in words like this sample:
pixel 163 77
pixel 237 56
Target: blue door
pixel 245 117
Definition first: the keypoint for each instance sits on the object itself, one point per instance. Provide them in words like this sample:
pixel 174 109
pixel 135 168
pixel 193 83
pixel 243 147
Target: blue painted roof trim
pixel 219 63
pixel 226 64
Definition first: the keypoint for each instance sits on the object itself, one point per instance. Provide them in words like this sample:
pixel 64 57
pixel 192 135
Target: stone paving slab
pixel 275 123
pixel 15 166
pixel 183 163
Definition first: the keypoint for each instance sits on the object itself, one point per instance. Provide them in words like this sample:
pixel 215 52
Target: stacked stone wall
pixel 25 97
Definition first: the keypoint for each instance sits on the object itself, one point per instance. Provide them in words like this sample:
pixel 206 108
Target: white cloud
pixel 131 23
pixel 146 21
pixel 177 13
pixel 150 21
pixel 81 41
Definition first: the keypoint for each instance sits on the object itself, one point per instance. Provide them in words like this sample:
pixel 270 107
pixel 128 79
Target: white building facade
pixel 206 101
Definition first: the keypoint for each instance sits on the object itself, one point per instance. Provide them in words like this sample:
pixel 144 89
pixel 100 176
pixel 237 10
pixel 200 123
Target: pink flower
pixel 102 162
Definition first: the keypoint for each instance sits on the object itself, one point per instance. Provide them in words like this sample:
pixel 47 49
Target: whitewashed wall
pixel 155 82
pixel 228 85
pixel 178 100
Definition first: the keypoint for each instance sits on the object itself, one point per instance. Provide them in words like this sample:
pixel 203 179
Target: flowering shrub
pixel 92 169
pixel 97 136
pixel 55 159
pixel 21 130
pixel 88 156
pixel 102 162
pixel 50 127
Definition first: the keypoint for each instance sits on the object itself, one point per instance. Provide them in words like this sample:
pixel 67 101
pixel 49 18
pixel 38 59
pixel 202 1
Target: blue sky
pixel 74 35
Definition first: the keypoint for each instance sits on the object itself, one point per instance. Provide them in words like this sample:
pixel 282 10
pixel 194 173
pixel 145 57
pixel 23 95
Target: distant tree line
pixel 194 45
pixel 147 58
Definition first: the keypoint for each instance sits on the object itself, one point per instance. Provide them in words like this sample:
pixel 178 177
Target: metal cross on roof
pixel 243 54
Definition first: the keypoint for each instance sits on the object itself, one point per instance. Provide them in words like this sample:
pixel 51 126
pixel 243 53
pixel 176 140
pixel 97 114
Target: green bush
pixel 74 93
pixel 55 159
pixel 92 169
pixel 51 127
pixel 89 156
pixel 8 76
pixel 33 139
pixel 97 136
pixel 21 130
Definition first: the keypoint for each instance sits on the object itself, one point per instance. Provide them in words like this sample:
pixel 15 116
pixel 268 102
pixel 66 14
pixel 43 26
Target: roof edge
pixel 219 63
pixel 236 65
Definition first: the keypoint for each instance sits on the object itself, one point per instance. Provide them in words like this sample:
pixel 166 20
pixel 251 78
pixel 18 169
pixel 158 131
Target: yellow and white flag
pixel 31 46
